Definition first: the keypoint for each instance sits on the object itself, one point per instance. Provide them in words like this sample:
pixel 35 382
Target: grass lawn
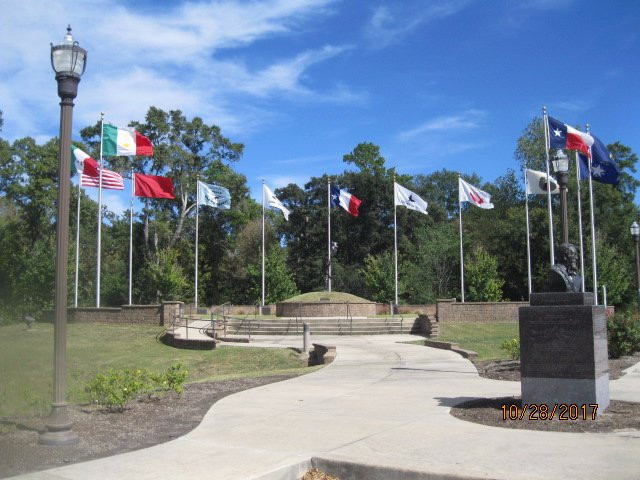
pixel 483 338
pixel 26 357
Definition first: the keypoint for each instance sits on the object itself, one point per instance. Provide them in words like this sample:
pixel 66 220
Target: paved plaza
pixel 382 404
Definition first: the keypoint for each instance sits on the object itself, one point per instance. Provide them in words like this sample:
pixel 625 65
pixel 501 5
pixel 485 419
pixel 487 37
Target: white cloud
pixel 162 56
pixel 469 119
pixel 389 25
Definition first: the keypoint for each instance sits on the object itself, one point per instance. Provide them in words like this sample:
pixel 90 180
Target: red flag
pixel 153 186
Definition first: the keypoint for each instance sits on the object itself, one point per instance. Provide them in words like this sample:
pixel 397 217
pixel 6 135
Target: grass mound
pixel 330 297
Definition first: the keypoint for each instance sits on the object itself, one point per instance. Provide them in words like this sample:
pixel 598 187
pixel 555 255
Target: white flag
pixel 273 201
pixel 409 199
pixel 214 196
pixel 469 193
pixel 537 183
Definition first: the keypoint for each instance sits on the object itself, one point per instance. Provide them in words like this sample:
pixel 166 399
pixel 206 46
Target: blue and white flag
pixel 604 169
pixel 213 195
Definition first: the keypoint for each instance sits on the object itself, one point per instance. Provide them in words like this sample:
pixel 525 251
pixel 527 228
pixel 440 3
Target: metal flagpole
pixel 133 192
pixel 329 234
pixel 195 297
pixel 526 203
pixel 580 220
pixel 99 240
pixel 461 253
pixel 263 242
pixel 75 298
pixel 593 233
pixel 546 153
pixel 395 238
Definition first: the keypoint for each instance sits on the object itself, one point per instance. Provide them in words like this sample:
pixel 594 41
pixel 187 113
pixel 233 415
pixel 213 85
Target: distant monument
pixel 563 341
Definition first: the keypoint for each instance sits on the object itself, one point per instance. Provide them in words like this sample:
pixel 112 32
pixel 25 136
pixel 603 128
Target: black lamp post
pixel 68 61
pixel 561 167
pixel 635 233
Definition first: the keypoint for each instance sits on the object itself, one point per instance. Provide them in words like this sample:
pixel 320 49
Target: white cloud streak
pixel 390 25
pixel 467 120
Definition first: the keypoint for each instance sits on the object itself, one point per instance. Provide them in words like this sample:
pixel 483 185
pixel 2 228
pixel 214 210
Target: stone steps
pixel 321 326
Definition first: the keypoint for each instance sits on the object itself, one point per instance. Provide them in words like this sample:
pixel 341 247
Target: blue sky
pixel 434 83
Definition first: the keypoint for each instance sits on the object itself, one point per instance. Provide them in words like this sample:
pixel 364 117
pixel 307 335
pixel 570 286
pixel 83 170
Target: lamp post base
pixel 58 427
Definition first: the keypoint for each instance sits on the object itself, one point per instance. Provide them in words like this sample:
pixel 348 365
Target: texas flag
pixel 344 199
pixel 469 193
pixel 562 135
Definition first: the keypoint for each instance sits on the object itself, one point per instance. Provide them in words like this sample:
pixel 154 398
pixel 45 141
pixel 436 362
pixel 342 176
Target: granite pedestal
pixel 563 350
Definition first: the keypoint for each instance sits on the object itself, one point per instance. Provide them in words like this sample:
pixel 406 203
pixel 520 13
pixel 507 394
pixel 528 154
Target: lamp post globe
pixel 635 233
pixel 561 167
pixel 68 61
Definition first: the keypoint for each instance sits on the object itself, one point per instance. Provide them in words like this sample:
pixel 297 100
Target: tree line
pixel 296 251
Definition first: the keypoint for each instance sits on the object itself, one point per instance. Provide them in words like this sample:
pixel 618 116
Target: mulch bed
pixel 619 416
pixel 142 424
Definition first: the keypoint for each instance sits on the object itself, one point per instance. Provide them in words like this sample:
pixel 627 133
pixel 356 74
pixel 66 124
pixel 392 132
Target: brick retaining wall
pixel 325 309
pixel 449 311
pixel 127 314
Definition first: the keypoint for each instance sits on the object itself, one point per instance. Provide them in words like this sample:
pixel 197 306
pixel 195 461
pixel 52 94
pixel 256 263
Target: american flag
pixel 110 180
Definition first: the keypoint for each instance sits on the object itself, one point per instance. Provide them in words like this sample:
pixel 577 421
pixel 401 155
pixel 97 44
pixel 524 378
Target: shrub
pixel 623 334
pixel 512 347
pixel 116 387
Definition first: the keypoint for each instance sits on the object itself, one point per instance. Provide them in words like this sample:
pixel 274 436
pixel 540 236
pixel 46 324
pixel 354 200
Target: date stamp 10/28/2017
pixel 542 411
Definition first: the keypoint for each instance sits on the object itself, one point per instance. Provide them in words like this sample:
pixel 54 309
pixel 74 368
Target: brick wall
pixel 127 314
pixel 291 309
pixel 384 309
pixel 452 311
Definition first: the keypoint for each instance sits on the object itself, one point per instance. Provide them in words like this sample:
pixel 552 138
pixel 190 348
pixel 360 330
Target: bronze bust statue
pixel 564 276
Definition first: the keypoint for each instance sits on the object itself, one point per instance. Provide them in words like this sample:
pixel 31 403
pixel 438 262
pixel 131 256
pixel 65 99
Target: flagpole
pixel 329 234
pixel 75 298
pixel 395 239
pixel 546 152
pixel 461 252
pixel 99 239
pixel 195 297
pixel 526 203
pixel 262 243
pixel 133 192
pixel 580 220
pixel 593 233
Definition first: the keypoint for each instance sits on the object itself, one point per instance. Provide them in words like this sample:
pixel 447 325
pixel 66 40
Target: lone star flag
pixel 407 198
pixel 273 201
pixel 153 186
pixel 537 183
pixel 469 193
pixel 83 163
pixel 344 199
pixel 119 141
pixel 604 168
pixel 562 135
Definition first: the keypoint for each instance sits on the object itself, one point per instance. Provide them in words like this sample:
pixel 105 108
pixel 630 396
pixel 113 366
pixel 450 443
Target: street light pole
pixel 561 167
pixel 635 233
pixel 68 61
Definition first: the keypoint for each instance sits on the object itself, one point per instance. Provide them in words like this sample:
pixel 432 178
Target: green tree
pixel 165 279
pixel 378 273
pixel 481 277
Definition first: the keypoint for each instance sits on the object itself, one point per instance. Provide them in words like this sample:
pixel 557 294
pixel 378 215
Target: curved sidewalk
pixel 379 403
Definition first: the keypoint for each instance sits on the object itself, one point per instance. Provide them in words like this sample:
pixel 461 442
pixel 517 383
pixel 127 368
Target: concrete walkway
pixel 381 404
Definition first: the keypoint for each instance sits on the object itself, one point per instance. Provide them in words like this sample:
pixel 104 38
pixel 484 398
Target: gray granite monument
pixel 563 342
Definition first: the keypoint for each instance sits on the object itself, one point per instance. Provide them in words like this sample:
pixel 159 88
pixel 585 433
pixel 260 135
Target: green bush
pixel 624 335
pixel 512 347
pixel 117 387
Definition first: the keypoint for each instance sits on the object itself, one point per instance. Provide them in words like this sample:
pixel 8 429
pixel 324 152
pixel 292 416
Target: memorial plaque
pixel 563 350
